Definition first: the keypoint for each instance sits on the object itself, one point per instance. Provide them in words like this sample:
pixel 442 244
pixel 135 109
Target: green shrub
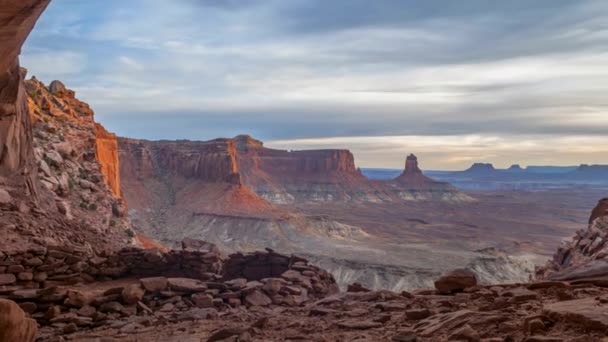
pixel 92 206
pixel 130 233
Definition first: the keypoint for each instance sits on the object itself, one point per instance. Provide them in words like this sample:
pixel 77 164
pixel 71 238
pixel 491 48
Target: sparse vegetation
pixel 50 162
pixel 130 233
pixel 93 206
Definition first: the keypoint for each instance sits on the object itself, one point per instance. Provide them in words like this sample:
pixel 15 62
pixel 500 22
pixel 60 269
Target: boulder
pixel 57 87
pixel 77 299
pixel 186 285
pixel 14 325
pixel 54 157
pixel 64 208
pixel 64 148
pixel 154 284
pixel 6 279
pixel 588 313
pixel 5 198
pixel 417 314
pixel 455 281
pixel 257 298
pixel 202 300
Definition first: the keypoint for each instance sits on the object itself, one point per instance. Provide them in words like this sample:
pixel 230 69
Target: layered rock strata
pixel 17 170
pixel 583 259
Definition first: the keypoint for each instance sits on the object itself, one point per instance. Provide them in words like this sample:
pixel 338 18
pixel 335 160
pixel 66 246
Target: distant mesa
pixel 515 167
pixel 481 168
pixel 593 169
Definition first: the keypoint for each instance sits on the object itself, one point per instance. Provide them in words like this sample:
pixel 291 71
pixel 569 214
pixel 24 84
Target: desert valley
pixel 111 238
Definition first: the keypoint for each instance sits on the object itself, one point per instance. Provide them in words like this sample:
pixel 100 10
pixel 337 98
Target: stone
pixel 547 284
pixel 44 167
pixel 25 276
pixel 359 325
pixel 25 294
pixel 14 325
pixel 540 338
pixel 64 208
pixel 55 158
pixel 465 333
pixel 292 275
pixel 236 284
pixel 455 281
pixel 534 325
pixel 167 307
pixel 202 300
pixel 587 312
pixel 520 294
pixel 224 334
pixel 5 198
pixel 6 279
pixel 110 307
pixel 15 269
pixel 186 285
pixel 273 285
pixel 70 328
pixel 86 311
pixel 57 87
pixel 35 261
pixel 417 314
pixel 64 148
pixel 295 290
pixel 52 312
pixel 257 298
pixel 76 299
pixel 28 307
pixel 132 294
pixel 445 322
pixel 408 336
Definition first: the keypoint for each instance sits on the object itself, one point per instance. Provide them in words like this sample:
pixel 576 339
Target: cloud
pixel 64 63
pixel 285 70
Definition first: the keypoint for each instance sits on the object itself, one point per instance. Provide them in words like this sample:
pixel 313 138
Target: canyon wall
pixel 106 147
pixel 277 176
pixel 584 258
pixel 17 19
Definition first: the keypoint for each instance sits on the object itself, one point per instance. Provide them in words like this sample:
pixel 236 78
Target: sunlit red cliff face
pixel 106 145
pixel 277 176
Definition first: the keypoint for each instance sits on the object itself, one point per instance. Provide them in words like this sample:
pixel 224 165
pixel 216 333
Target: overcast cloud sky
pixel 452 81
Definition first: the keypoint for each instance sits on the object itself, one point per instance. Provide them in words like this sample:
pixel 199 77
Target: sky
pixel 454 82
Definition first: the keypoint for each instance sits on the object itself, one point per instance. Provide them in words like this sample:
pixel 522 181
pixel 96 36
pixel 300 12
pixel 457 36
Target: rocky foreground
pixel 196 294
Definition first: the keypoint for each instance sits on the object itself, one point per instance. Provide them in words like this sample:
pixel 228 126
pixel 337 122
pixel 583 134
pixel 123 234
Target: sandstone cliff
pixel 77 162
pixel 278 176
pixel 51 189
pixel 106 145
pixel 583 259
pixel 17 18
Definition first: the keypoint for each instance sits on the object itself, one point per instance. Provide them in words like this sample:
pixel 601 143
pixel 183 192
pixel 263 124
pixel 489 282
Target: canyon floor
pixel 502 235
